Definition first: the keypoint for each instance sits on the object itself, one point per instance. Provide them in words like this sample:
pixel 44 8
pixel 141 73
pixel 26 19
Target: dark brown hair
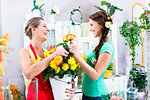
pixel 101 17
pixel 34 22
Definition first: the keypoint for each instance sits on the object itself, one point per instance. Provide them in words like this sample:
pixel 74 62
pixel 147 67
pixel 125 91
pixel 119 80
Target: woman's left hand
pixel 74 49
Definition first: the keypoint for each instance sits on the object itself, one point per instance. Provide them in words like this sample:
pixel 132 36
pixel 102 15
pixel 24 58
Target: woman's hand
pixel 61 52
pixel 71 91
pixel 74 49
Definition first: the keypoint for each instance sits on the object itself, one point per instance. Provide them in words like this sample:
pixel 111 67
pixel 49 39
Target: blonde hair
pixel 34 22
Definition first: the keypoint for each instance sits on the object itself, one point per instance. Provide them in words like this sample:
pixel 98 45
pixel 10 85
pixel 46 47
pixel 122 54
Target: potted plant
pixel 110 8
pixel 37 10
pixel 131 32
pixel 138 76
pixel 109 70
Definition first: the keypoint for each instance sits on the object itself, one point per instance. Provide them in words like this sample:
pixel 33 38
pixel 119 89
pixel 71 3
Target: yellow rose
pixel 58 60
pixel 73 67
pixel 58 70
pixel 65 66
pixel 38 60
pixel 65 38
pixel 46 53
pixel 53 64
pixel 71 61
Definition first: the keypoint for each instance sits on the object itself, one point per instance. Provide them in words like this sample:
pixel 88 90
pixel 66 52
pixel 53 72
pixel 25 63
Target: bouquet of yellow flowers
pixel 61 66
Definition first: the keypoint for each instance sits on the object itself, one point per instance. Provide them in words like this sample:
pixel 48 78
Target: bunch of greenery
pixel 145 20
pixel 130 31
pixel 110 8
pixel 138 76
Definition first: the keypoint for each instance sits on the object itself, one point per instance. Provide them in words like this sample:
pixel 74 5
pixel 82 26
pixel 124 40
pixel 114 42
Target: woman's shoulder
pixel 23 51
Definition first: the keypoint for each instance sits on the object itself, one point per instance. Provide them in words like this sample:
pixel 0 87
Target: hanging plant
pixel 145 20
pixel 72 13
pixel 130 31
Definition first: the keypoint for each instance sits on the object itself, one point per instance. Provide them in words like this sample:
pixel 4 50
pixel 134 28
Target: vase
pixel 51 19
pixel 38 13
pixel 140 95
pixel 59 86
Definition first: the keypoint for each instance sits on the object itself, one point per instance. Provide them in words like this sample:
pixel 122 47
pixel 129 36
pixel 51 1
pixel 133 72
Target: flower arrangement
pixel 37 10
pixel 3 48
pixel 15 92
pixel 55 10
pixel 61 66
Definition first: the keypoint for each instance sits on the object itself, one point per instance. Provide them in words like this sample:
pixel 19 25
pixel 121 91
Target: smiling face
pixel 95 28
pixel 41 31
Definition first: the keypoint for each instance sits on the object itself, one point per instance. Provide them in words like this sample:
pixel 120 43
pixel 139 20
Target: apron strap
pixel 31 47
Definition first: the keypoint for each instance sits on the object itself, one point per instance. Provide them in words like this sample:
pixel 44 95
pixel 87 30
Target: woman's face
pixel 42 30
pixel 95 28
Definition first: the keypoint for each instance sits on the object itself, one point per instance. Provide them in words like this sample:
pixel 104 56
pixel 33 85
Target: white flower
pixel 55 10
pixel 39 2
pixel 108 24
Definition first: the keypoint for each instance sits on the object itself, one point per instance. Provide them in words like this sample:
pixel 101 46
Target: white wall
pixel 13 14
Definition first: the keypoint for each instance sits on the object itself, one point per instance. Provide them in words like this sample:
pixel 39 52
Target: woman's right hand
pixel 61 52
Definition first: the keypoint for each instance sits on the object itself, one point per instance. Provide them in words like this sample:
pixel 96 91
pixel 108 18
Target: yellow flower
pixel 71 61
pixel 1 69
pixel 65 38
pixel 46 53
pixel 58 70
pixel 73 66
pixel 6 37
pixel 58 60
pixel 38 60
pixel 83 56
pixel 65 66
pixel 53 64
pixel 108 24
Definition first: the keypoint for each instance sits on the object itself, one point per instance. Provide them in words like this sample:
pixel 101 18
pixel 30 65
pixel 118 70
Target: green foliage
pixel 73 12
pixel 39 8
pixel 144 19
pixel 106 97
pixel 110 8
pixel 110 67
pixel 138 77
pixel 130 31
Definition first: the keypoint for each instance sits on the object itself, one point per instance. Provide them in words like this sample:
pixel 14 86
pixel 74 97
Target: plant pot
pixel 140 95
pixel 59 87
pixel 108 74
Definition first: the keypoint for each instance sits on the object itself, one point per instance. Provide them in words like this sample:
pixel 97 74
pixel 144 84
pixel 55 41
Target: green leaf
pixel 99 8
pixel 59 44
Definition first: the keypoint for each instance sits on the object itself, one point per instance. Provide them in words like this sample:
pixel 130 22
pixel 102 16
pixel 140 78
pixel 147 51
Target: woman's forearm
pixel 37 68
pixel 91 72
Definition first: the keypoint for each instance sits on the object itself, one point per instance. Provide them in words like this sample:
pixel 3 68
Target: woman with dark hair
pixel 98 58
pixel 36 29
